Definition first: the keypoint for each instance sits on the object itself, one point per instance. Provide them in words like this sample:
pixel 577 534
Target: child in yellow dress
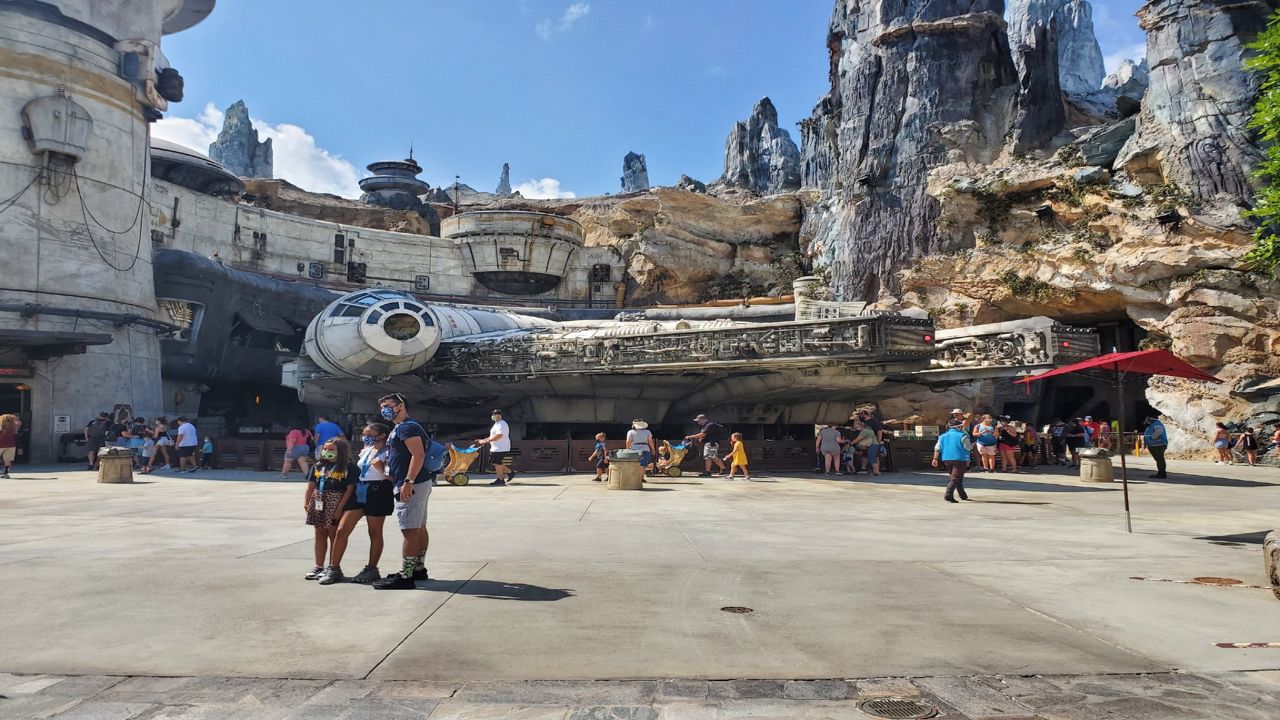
pixel 737 458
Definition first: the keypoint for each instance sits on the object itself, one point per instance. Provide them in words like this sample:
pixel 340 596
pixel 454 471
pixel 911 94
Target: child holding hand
pixel 737 457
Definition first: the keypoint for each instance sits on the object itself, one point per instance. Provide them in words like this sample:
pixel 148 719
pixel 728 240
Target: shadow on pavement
pixel 1254 538
pixel 1209 481
pixel 498 590
pixel 981 481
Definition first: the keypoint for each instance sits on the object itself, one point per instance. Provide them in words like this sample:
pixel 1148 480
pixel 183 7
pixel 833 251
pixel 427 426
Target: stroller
pixel 460 462
pixel 674 456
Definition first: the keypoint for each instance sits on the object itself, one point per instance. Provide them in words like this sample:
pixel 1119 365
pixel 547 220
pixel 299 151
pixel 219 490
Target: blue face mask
pixel 369 441
pixel 388 413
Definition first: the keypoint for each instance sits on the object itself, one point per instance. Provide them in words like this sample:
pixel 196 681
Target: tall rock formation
pixel 1193 128
pixel 1080 65
pixel 237 147
pixel 504 182
pixel 635 173
pixel 1041 113
pixel 914 84
pixel 760 156
pixel 1128 84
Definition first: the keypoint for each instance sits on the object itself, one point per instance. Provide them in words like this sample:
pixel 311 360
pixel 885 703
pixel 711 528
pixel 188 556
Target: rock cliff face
pixel 914 84
pixel 237 147
pixel 635 173
pixel 1192 129
pixel 504 182
pixel 937 191
pixel 686 247
pixel 760 156
pixel 1070 23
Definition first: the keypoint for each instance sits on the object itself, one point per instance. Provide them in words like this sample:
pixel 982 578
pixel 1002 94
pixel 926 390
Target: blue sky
pixel 560 89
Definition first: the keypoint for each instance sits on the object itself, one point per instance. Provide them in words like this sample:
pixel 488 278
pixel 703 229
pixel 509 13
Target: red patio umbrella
pixel 1121 366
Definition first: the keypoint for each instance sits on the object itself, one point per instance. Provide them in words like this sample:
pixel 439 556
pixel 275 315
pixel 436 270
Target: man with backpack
pixel 409 469
pixel 95 436
pixel 953 450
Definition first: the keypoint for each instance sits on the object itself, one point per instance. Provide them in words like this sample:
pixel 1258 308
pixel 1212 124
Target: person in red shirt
pixel 1094 427
pixel 9 425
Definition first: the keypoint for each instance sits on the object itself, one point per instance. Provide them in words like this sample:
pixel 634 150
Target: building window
pixel 339 248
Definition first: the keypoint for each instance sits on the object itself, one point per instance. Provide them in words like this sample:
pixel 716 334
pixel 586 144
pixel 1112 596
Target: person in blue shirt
pixel 1156 439
pixel 954 449
pixel 325 431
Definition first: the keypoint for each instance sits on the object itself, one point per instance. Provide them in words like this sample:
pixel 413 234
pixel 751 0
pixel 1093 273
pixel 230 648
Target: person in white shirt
pixel 499 442
pixel 187 442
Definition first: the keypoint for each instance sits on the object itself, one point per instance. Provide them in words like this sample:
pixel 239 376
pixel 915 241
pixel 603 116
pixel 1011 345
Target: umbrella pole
pixel 1124 466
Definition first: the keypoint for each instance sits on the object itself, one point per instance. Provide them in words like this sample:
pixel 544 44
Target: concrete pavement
pixel 559 579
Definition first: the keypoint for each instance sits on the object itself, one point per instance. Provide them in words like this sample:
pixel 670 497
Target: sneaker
pixel 420 574
pixel 395 582
pixel 367 575
pixel 951 500
pixel 167 467
pixel 704 474
pixel 498 483
pixel 964 497
pixel 511 476
pixel 332 574
pixel 4 476
pixel 315 573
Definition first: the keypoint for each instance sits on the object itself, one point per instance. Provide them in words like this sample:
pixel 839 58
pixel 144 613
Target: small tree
pixel 1265 254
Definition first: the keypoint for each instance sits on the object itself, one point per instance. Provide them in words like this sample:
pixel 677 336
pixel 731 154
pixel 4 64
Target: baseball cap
pixel 955 423
pixel 957 411
pixel 495 411
pixel 700 418
pixel 1088 417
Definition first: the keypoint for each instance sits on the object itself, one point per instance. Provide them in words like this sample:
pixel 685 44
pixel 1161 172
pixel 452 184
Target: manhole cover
pixel 736 609
pixel 1218 581
pixel 898 708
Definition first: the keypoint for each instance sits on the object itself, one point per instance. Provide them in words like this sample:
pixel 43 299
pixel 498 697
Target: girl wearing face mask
pixel 373 500
pixel 329 490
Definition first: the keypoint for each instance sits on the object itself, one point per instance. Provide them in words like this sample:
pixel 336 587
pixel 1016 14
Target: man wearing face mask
pixel 499 442
pixel 406 468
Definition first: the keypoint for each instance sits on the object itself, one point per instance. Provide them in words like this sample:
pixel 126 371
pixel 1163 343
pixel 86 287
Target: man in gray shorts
pixel 406 467
pixel 711 435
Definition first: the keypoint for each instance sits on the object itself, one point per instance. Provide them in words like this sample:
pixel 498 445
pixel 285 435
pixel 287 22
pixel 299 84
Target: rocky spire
pixel 635 173
pixel 237 147
pixel 760 156
pixel 1080 66
pixel 1193 128
pixel 929 83
pixel 1041 113
pixel 1128 84
pixel 504 182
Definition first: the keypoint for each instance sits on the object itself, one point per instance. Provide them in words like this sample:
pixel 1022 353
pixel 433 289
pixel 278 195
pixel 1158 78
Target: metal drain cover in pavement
pixel 736 609
pixel 898 708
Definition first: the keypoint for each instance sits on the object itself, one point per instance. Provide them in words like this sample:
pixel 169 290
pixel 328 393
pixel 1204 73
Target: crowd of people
pixel 177 443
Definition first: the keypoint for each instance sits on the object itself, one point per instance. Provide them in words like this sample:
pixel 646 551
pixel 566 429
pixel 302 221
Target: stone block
pixel 454 710
pixel 614 713
pixel 682 689
pixel 1271 561
pixel 973 699
pixel 815 689
pixel 549 692
pixel 736 689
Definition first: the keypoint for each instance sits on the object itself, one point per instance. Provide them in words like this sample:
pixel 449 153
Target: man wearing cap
pixel 1156 439
pixel 953 450
pixel 499 442
pixel 958 414
pixel 711 435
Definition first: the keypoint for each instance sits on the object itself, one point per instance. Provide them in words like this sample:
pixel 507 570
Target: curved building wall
pixel 79 243
pixel 256 239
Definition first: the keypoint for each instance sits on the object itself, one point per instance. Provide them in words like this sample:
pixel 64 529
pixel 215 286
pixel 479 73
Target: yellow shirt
pixel 739 453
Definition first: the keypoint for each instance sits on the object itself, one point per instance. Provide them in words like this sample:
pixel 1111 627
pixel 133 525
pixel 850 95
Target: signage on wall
pixel 62 423
pixel 17 371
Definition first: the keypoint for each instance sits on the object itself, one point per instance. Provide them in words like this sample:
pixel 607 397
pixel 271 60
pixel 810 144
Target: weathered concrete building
pixel 78 317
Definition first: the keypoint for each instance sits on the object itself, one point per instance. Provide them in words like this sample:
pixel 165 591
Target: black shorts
pixel 379 502
pixel 186 452
pixel 502 457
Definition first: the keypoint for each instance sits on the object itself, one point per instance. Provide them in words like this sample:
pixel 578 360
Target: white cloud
pixel 1134 52
pixel 544 189
pixel 297 157
pixel 572 14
